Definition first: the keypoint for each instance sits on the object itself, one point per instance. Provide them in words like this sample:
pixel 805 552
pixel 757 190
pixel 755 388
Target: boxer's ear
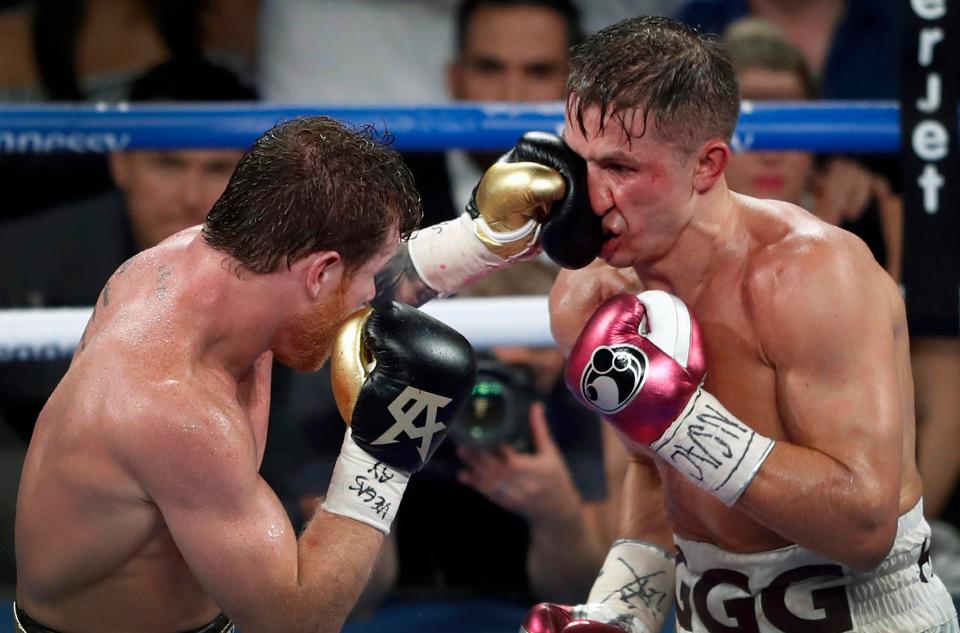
pixel 712 159
pixel 322 272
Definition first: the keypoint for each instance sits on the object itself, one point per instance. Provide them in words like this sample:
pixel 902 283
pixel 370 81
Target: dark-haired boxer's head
pixel 310 185
pixel 659 73
pixel 169 190
pixel 651 107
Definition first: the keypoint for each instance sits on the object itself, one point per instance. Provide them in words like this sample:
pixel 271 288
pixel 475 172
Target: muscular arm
pixel 833 482
pixel 635 585
pixel 638 500
pixel 235 536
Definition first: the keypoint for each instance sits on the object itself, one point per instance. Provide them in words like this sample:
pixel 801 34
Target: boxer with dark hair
pixel 141 507
pixel 762 379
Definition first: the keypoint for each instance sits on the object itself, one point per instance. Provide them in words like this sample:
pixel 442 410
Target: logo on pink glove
pixel 613 377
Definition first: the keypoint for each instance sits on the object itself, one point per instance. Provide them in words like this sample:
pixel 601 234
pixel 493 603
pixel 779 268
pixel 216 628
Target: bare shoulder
pixel 806 277
pixel 577 293
pixel 186 428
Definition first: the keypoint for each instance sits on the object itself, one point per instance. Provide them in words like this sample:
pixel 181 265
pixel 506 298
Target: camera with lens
pixel 498 410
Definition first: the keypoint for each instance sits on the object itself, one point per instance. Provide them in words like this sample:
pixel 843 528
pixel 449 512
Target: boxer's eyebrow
pixel 616 156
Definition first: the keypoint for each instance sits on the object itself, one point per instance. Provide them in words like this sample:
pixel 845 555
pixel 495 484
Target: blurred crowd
pixel 540 474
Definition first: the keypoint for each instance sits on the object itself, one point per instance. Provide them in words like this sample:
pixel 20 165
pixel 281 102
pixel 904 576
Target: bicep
pixel 231 530
pixel 836 377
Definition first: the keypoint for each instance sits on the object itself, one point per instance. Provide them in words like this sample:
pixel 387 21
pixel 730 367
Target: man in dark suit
pixel 506 50
pixel 62 256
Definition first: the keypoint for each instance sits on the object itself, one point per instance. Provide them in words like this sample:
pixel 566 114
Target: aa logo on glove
pixel 406 408
pixel 613 377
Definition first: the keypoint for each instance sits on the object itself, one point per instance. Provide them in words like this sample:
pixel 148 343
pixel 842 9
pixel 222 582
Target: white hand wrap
pixel 449 256
pixel 634 590
pixel 504 238
pixel 364 488
pixel 714 449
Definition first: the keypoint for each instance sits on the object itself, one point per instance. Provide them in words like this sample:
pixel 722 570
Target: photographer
pixel 539 457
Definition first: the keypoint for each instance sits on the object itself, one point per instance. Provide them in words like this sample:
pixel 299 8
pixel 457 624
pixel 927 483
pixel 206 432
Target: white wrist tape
pixel 450 256
pixel 531 228
pixel 714 449
pixel 364 488
pixel 634 589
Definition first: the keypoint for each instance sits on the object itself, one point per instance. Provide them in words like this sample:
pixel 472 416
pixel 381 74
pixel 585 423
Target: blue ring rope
pixel 819 126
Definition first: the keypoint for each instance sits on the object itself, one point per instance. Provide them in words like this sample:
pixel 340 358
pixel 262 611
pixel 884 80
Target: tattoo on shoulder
pixel 399 281
pixel 105 294
pixel 164 273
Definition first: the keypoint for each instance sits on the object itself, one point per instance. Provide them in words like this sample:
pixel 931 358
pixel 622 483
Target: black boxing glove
pixel 533 198
pixel 400 377
pixel 571 233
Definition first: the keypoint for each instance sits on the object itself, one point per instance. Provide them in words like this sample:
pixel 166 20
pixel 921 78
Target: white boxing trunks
pixel 792 589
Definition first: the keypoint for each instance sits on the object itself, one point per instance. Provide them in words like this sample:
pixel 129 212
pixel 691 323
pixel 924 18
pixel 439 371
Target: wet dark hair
pixel 313 184
pixel 660 69
pixel 569 12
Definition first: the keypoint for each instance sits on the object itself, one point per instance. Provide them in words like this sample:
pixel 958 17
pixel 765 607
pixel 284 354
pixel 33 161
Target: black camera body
pixel 498 410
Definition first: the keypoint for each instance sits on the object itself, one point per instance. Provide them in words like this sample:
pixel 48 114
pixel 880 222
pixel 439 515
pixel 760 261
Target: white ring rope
pixel 37 334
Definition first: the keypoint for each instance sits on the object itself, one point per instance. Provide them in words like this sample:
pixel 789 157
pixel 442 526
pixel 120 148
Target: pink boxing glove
pixel 638 362
pixel 547 617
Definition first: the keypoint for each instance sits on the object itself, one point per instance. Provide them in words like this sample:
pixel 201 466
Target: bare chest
pixel 741 378
pixel 738 374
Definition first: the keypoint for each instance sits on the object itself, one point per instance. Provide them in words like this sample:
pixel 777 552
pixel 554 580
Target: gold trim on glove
pixel 350 362
pixel 513 198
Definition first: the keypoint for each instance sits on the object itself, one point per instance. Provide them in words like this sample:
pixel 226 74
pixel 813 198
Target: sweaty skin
pixel 140 507
pixel 806 341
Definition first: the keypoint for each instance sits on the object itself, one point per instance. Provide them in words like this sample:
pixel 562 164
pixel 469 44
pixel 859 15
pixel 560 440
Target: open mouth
pixel 610 242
